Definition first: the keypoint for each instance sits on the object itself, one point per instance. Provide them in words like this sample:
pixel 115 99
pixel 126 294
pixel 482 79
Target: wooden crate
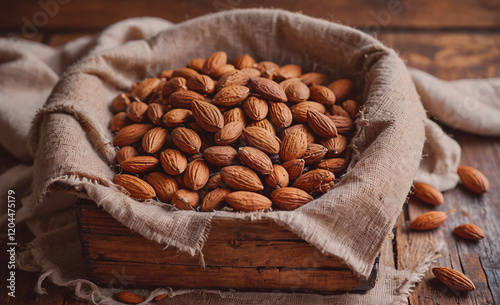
pixel 239 254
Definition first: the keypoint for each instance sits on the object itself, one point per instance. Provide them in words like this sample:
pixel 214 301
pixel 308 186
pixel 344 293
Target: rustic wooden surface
pixel 450 39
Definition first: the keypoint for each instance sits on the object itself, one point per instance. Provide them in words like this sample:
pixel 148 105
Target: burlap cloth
pixel 69 150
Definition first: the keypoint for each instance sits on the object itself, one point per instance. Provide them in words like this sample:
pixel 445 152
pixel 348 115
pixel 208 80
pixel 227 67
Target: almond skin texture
pixel 261 139
pixel 278 178
pixel 304 128
pixel 229 134
pixel 314 180
pixel 137 111
pixel 241 178
pixel 341 88
pixel 202 84
pixel 343 124
pixel 248 201
pixel 233 77
pixel 131 134
pixel 119 121
pixel 453 278
pixel 268 89
pixel 313 78
pixel 173 161
pixel 256 159
pixel 322 95
pixel 290 198
pixel 136 187
pixel 121 102
pixel 264 123
pixel 125 153
pixel 469 231
pixel 231 95
pixel 321 124
pixel 186 140
pixel 429 220
pixel 473 179
pixel 299 111
pixel 243 61
pixel 164 185
pixel 155 113
pixel 214 61
pixel 129 297
pixel 235 115
pixel 351 106
pixel 139 164
pixel 185 199
pixel 335 165
pixel 144 88
pixel 185 73
pixel 280 114
pixel 295 90
pixel 294 168
pixel 174 84
pixel 427 193
pixel 314 153
pixel 256 108
pixel 184 98
pixel 196 175
pixel 335 146
pixel 176 117
pixel 294 145
pixel 214 200
pixel 220 155
pixel 154 140
pixel 207 116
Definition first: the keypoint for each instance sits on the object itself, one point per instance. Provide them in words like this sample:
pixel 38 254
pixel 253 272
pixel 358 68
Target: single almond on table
pixel 315 180
pixel 427 193
pixel 136 187
pixel 173 161
pixel 429 220
pixel 139 164
pixel 473 179
pixel 290 198
pixel 154 140
pixel 304 128
pixel 248 201
pixel 268 89
pixel 214 200
pixel 220 155
pixel 208 116
pixel 164 185
pixel 256 159
pixel 295 168
pixel 186 140
pixel 185 199
pixel 129 297
pixel 469 231
pixel 294 145
pixel 278 177
pixel 196 175
pixel 261 139
pixel 453 278
pixel 241 178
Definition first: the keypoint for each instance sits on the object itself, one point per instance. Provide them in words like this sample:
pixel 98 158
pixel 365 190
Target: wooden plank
pixel 223 277
pixel 379 14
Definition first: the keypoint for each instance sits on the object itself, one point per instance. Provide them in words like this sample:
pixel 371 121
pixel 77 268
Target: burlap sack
pixel 72 150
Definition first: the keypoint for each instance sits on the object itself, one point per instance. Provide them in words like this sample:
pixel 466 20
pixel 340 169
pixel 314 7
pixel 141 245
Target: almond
pixel 314 153
pixel 166 74
pixel 173 85
pixel 351 106
pixel 164 185
pixel 221 70
pixel 229 134
pixel 215 182
pixel 299 111
pixel 427 193
pixel 155 113
pixel 268 89
pixel 262 139
pixel 232 78
pixel 241 178
pixel 322 95
pixel 343 124
pixel 136 187
pixel 125 153
pixel 176 117
pixel 185 73
pixel 256 159
pixel 338 110
pixel 248 201
pixel 184 98
pixel 139 164
pixel 186 140
pixel 265 124
pixel 335 165
pixel 295 90
pixel 144 88
pixel 288 71
pixel 220 155
pixel 267 68
pixel 231 95
pixel 214 200
pixel 313 78
pixel 304 128
pixel 243 61
pixel 196 64
pixel 251 72
pixel 315 180
pixel 137 112
pixel 129 297
pixel 321 124
pixel 278 178
pixel 207 116
pixel 173 161
pixel 453 278
pixel 335 146
pixel 290 198
pixel 202 84
pixel 214 61
pixel 294 168
pixel 185 199
pixel 429 220
pixel 121 102
pixel 473 179
pixel 131 134
pixel 119 121
pixel 256 108
pixel 280 114
pixel 160 297
pixel 235 115
pixel 341 88
pixel 154 140
pixel 196 175
pixel 156 96
pixel 469 231
pixel 294 145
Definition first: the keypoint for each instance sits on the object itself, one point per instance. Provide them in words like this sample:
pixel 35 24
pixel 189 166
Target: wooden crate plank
pixel 380 14
pixel 223 277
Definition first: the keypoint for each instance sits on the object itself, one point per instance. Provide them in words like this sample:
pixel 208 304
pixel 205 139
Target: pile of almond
pixel 249 135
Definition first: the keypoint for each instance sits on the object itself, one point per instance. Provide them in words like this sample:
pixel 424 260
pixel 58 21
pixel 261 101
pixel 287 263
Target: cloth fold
pixel 70 145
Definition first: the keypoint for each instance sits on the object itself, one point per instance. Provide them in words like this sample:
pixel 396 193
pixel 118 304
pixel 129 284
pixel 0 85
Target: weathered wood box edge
pixel 239 255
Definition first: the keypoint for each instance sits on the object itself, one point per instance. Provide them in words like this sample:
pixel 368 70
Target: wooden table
pixel 450 39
